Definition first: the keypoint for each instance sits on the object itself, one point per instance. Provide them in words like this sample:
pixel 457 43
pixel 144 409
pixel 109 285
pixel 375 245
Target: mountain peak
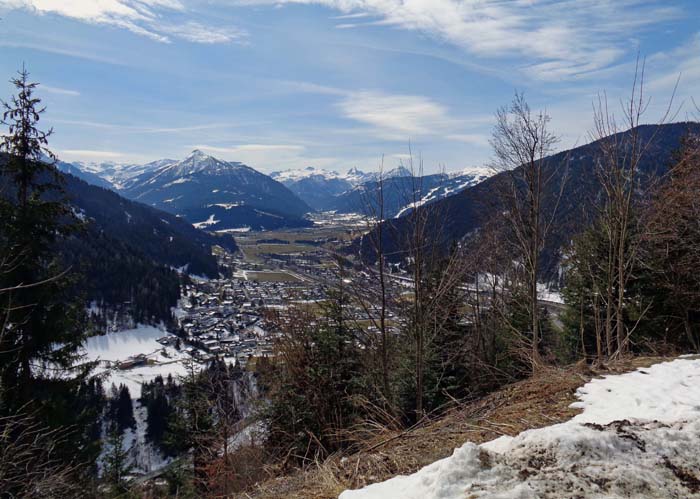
pixel 399 171
pixel 198 154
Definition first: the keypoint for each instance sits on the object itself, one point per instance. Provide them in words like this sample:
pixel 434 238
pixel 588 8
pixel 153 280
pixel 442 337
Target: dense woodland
pixel 471 319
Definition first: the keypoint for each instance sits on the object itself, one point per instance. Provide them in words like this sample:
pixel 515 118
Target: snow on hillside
pixel 453 183
pixel 637 436
pixel 111 348
pixel 353 176
pixel 293 175
pixel 119 174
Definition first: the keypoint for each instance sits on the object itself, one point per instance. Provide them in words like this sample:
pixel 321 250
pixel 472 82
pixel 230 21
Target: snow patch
pixel 637 436
pixel 234 230
pixel 209 221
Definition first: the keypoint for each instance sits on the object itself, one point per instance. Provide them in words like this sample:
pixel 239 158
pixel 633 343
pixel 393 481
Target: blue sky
pixel 335 83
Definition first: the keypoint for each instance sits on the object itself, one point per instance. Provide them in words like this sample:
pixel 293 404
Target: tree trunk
pixel 689 331
pixel 619 305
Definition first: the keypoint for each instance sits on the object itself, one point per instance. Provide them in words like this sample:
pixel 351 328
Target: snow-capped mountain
pixel 85 175
pixel 119 174
pixel 444 186
pixel 315 186
pixel 352 177
pixel 322 188
pixel 217 195
pixel 336 193
pixel 224 195
pixel 357 177
pixel 295 175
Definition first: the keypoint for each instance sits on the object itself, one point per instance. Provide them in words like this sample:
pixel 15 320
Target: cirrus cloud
pixel 142 17
pixel 546 39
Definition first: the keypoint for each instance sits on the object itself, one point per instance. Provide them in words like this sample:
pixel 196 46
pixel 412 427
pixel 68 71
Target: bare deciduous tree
pixel 377 302
pixel 522 142
pixel 622 148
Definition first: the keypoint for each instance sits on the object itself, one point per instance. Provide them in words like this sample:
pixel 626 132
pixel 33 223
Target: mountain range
pixel 323 190
pixel 224 196
pixel 220 196
pixel 358 192
pixel 401 193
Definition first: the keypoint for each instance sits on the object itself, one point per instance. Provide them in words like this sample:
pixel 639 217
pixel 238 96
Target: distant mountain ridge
pixel 227 196
pixel 119 174
pixel 326 190
pixel 211 193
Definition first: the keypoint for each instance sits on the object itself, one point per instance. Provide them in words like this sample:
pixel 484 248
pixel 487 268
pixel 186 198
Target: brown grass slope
pixel 539 401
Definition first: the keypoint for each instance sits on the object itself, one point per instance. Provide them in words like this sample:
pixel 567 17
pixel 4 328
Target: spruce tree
pixel 116 462
pixel 44 321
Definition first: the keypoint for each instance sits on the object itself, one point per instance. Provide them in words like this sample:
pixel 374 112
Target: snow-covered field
pixel 637 437
pixel 119 346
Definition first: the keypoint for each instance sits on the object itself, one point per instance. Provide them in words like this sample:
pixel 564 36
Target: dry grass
pixel 532 403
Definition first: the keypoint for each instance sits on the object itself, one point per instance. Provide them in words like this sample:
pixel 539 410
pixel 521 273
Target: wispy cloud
pixel 396 115
pixel 199 33
pixel 58 90
pixel 139 129
pixel 143 17
pixel 476 139
pixel 357 15
pixel 75 53
pixel 248 148
pixel 550 39
pixel 683 61
pixel 89 155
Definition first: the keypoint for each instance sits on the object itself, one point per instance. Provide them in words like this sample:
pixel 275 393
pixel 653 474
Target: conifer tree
pixel 44 321
pixel 116 461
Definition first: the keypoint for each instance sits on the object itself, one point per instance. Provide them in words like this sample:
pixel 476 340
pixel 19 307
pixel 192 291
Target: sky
pixel 336 84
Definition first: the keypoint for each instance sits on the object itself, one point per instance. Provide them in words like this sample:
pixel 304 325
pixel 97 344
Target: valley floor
pixel 637 436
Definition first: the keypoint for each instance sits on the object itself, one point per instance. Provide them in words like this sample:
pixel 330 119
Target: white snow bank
pixel 120 346
pixel 637 436
pixel 123 344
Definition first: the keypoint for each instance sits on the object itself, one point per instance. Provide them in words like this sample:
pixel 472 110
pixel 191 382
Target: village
pixel 235 318
pixel 229 318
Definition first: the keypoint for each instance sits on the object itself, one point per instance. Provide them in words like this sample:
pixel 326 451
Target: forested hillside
pixel 126 253
pixel 451 219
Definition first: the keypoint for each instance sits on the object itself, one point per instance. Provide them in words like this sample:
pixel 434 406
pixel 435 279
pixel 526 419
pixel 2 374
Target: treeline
pixel 113 254
pixel 159 236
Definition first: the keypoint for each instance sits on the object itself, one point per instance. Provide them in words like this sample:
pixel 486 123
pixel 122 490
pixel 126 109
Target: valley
pixel 353 249
pixel 229 319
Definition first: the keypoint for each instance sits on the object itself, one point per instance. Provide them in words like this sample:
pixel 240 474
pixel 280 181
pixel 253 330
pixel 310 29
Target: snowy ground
pixel 637 437
pixel 121 345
